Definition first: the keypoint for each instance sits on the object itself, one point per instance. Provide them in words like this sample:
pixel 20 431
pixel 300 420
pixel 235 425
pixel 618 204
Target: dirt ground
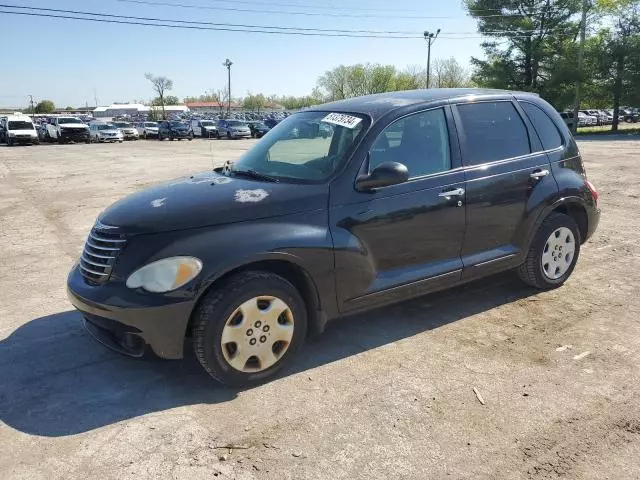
pixel 384 395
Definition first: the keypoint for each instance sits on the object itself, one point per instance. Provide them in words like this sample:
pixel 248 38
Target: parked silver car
pixel 129 132
pixel 147 129
pixel 233 129
pixel 105 132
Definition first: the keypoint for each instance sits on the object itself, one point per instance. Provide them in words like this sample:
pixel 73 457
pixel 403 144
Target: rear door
pixel 503 179
pixel 403 240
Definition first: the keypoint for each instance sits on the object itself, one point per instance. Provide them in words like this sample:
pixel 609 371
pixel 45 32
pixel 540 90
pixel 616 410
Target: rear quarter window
pixel 493 131
pixel 545 127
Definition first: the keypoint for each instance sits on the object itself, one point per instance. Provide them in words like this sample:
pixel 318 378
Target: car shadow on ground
pixel 55 380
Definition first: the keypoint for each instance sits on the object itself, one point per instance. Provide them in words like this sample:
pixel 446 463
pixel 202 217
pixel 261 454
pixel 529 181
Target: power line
pixel 313 7
pixel 189 22
pixel 310 14
pixel 248 26
pixel 194 27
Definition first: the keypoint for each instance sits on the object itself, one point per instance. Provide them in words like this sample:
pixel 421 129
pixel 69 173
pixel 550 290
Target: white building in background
pixel 119 109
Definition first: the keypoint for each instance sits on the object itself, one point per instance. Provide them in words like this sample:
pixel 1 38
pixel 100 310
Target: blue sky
pixel 65 60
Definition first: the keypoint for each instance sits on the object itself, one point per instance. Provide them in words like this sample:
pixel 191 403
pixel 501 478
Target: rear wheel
pixel 9 141
pixel 553 253
pixel 250 328
pixel 228 135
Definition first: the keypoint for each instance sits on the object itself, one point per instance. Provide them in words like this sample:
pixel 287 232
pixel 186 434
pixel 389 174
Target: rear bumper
pixel 593 221
pixel 127 321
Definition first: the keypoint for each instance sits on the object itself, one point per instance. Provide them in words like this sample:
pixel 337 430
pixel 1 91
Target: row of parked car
pixel 590 118
pixel 20 128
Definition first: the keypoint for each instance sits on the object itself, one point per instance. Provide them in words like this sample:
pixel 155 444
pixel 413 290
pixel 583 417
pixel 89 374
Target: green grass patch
pixel 623 129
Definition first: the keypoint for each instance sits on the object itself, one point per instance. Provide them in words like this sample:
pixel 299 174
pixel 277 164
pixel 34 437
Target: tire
pixel 9 142
pixel 532 271
pixel 229 136
pixel 217 309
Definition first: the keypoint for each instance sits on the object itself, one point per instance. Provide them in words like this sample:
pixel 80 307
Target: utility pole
pixel 583 34
pixel 95 97
pixel 430 37
pixel 228 64
pixel 33 110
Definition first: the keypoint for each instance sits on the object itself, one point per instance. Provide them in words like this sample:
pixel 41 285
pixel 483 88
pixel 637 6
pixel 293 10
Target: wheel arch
pixel 288 267
pixel 573 207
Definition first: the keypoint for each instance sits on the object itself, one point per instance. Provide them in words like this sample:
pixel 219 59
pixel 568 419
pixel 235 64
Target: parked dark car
pixel 271 122
pixel 411 193
pixel 174 129
pixel 258 129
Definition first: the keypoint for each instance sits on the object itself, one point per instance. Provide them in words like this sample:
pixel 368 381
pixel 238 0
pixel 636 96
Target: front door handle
pixel 458 192
pixel 538 174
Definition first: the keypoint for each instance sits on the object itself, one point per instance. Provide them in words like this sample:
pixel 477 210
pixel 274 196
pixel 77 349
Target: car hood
pixel 210 199
pixel 73 125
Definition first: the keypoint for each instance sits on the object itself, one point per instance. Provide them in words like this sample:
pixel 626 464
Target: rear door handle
pixel 458 192
pixel 538 174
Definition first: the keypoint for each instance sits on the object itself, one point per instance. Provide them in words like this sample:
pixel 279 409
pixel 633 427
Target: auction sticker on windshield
pixel 342 119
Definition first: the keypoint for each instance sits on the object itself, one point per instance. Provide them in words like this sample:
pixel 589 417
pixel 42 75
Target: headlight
pixel 166 274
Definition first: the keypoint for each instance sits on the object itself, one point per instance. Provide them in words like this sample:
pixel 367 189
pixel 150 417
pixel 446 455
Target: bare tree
pixel 160 85
pixel 448 73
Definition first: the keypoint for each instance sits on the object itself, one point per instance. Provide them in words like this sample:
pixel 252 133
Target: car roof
pixel 381 103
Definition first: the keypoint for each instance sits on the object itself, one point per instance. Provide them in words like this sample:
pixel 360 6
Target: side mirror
pixel 384 175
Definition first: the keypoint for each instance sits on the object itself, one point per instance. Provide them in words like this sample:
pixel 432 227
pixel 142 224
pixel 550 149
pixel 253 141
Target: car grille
pixel 73 131
pixel 100 254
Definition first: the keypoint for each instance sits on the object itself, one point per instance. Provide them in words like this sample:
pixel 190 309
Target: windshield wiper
pixel 256 175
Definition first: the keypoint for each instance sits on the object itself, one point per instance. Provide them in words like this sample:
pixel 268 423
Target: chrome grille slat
pixel 91 271
pixel 98 247
pixel 100 254
pixel 93 263
pixel 106 240
pixel 106 257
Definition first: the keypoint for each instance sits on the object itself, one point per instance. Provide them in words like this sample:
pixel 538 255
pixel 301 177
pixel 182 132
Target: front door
pixel 502 173
pixel 403 240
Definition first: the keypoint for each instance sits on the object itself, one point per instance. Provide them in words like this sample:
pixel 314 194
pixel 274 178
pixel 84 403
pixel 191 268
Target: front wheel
pixel 249 329
pixel 553 253
pixel 228 135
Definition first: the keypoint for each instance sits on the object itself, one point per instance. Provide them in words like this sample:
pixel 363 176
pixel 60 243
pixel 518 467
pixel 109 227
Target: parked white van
pixel 18 128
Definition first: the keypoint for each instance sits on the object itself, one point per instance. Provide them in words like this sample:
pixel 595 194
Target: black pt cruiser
pixel 411 192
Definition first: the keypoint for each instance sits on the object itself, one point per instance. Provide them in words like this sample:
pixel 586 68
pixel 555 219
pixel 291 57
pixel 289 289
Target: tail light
pixel 593 191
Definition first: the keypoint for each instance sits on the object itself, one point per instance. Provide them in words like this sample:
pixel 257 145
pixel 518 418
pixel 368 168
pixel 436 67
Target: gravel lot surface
pixel 388 394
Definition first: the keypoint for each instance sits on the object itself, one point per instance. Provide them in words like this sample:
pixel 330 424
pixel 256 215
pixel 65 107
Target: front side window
pixel 419 141
pixel 494 131
pixel 546 128
pixel 299 150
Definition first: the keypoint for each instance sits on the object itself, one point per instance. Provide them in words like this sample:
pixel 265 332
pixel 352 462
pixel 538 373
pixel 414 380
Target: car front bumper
pixel 130 136
pixel 240 134
pixel 81 136
pixel 129 321
pixel 24 139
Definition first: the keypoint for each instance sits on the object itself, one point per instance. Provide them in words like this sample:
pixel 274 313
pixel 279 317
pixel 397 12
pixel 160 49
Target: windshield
pixel 68 120
pixel 122 125
pixel 259 125
pixel 299 150
pixel 105 126
pixel 236 123
pixel 177 124
pixel 207 124
pixel 150 124
pixel 20 125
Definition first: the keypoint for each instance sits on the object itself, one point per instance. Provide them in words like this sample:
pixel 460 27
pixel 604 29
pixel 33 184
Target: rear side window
pixel 546 128
pixel 493 131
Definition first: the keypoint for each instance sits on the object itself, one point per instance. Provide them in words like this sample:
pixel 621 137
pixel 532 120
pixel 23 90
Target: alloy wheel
pixel 257 334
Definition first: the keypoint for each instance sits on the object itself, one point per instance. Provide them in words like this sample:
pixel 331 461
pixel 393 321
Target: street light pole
pixel 430 38
pixel 228 64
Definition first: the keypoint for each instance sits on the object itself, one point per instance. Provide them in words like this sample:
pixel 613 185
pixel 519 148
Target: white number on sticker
pixel 348 121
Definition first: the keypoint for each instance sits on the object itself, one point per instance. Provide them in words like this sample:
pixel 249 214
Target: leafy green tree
pixel 45 106
pixel 254 102
pixel 525 40
pixel 168 100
